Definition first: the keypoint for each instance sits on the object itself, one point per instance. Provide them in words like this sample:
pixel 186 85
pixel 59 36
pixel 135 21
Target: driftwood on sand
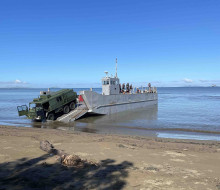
pixel 66 159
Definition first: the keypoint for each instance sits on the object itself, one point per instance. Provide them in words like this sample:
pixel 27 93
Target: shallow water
pixel 186 113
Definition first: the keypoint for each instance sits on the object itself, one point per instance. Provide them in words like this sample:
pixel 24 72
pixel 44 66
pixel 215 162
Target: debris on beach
pixel 66 159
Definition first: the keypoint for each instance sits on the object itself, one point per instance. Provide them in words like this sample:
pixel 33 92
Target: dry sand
pixel 127 162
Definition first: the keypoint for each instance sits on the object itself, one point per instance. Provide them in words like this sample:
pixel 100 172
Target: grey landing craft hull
pixel 109 104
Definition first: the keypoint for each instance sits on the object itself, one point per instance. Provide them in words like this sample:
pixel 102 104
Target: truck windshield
pixel 32 106
pixel 37 106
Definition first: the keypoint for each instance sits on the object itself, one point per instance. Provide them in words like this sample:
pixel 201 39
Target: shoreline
pixel 128 162
pixel 121 135
pixel 170 133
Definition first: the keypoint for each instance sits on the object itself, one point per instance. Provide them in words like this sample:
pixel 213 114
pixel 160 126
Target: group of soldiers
pixel 125 89
pixel 128 88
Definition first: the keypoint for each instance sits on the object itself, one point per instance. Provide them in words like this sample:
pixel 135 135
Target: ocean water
pixel 185 113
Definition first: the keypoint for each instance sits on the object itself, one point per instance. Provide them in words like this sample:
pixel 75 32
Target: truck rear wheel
pixel 72 105
pixel 66 109
pixel 51 117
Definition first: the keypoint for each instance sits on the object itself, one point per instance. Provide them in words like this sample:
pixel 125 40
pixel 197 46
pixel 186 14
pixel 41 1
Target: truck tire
pixel 51 117
pixel 72 105
pixel 66 109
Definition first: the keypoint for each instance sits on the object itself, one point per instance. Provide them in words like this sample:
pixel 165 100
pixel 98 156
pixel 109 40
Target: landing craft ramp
pixel 78 112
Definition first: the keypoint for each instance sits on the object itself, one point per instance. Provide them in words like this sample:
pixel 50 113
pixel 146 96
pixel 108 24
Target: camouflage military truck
pixel 49 104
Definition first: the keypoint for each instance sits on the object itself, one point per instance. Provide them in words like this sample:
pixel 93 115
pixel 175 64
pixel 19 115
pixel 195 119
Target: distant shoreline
pixel 101 87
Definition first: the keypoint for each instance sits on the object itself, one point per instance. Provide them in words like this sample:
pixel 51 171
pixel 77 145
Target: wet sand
pixel 126 162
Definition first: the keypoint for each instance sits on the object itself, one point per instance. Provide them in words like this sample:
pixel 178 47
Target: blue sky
pixel 71 43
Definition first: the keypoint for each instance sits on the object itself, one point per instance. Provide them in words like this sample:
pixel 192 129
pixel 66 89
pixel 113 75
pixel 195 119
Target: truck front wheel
pixel 66 109
pixel 51 117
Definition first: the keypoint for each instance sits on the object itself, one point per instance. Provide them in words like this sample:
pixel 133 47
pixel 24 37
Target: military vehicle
pixel 48 104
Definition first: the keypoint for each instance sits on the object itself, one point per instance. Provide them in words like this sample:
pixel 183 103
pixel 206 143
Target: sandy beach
pixel 125 162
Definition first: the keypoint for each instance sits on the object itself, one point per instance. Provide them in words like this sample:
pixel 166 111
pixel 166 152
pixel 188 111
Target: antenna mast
pixel 116 74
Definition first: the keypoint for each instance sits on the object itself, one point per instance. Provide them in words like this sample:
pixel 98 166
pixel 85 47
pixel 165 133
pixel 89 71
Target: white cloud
pixel 18 81
pixel 186 80
pixel 15 83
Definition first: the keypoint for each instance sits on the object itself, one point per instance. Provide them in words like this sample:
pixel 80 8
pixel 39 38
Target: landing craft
pixel 116 98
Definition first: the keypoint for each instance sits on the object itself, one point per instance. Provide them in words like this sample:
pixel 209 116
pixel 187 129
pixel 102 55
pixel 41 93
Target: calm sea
pixel 185 113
